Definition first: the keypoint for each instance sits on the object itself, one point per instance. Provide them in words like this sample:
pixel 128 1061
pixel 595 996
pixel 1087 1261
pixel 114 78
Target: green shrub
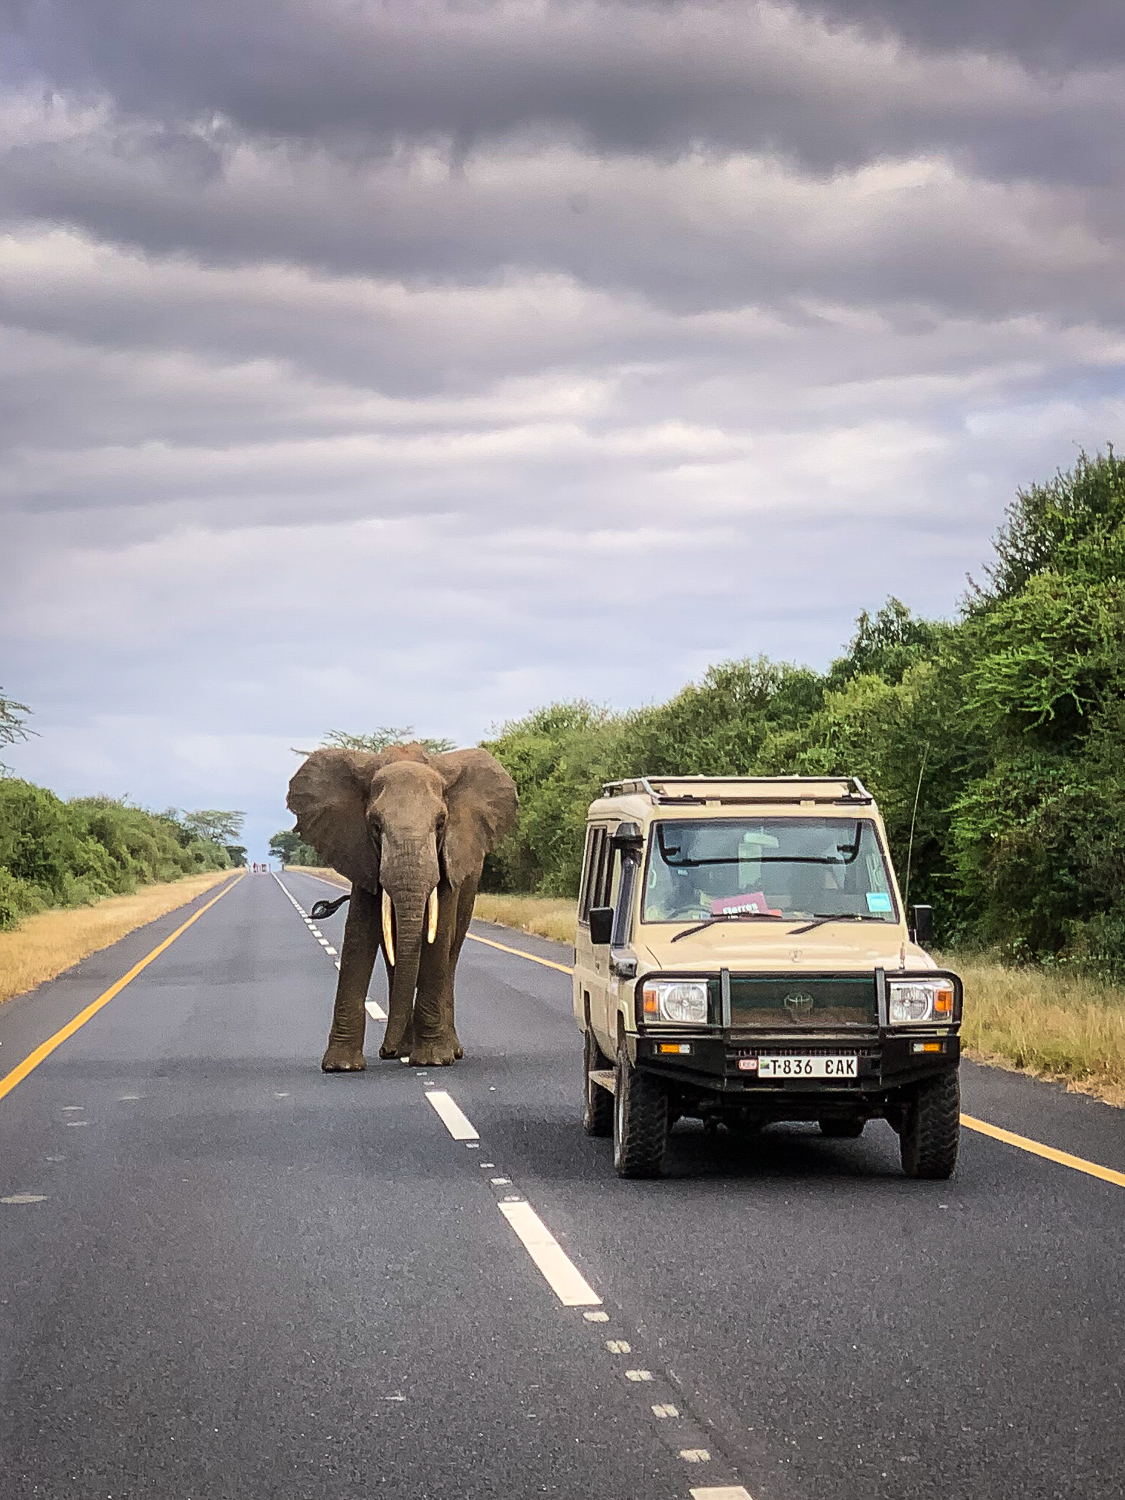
pixel 55 853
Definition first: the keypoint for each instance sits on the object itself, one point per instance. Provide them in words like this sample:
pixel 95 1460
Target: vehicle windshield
pixel 770 867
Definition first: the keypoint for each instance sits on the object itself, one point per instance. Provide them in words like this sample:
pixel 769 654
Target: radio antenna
pixel 913 820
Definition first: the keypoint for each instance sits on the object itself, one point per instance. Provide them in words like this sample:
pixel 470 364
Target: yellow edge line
pixel 522 953
pixel 1036 1148
pixel 44 1050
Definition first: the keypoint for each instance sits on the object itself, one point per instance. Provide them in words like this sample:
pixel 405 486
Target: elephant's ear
pixel 481 803
pixel 329 795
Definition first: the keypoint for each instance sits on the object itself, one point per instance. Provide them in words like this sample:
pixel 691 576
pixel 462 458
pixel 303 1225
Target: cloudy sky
pixel 421 362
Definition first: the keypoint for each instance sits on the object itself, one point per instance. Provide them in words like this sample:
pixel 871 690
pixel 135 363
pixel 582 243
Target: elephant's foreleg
pixel 435 1041
pixel 357 959
pixel 466 896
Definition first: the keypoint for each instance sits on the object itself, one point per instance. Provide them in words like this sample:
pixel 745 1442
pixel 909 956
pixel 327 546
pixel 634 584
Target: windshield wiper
pixel 729 916
pixel 820 918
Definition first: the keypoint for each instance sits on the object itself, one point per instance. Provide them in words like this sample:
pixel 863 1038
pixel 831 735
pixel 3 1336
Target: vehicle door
pixel 583 949
pixel 591 962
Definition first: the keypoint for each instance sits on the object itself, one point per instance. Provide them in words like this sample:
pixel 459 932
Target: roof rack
pixel 742 790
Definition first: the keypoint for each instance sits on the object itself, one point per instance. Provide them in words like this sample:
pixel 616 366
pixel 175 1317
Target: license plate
pixel 807 1067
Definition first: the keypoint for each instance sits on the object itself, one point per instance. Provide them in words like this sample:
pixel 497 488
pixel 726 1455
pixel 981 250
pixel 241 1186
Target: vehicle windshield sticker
pixel 878 901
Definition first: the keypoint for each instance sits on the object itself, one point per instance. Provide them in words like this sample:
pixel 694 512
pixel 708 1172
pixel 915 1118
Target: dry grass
pixel 44 945
pixel 1059 1026
pixel 545 916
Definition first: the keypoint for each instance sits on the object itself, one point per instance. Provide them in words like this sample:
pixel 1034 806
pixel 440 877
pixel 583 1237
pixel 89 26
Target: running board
pixel 605 1078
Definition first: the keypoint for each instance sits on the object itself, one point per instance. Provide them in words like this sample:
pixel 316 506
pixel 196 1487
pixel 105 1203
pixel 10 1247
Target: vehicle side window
pixel 601 875
pixel 591 873
pixel 612 878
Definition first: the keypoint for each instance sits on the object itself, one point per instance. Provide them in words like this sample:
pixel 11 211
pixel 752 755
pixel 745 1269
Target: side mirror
pixel 601 925
pixel 628 838
pixel 922 930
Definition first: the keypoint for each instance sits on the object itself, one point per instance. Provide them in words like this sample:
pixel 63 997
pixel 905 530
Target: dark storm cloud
pixel 689 234
pixel 1050 34
pixel 616 78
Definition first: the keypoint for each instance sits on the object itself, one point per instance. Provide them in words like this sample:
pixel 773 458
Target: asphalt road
pixel 225 1274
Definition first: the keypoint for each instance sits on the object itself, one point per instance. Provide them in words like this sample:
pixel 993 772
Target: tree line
pixel 993 742
pixel 58 853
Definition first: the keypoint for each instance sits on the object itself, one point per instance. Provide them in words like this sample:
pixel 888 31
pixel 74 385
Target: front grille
pixel 789 1003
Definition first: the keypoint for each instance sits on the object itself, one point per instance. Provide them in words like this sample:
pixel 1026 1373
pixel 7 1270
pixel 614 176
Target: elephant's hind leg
pixel 344 1053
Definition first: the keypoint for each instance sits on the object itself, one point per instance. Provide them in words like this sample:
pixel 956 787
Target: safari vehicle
pixel 742 956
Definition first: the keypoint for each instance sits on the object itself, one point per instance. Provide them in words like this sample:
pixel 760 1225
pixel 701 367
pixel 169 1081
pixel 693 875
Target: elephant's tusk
pixel 431 916
pixel 388 931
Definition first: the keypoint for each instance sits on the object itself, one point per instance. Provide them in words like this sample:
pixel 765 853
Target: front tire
pixel 931 1128
pixel 597 1107
pixel 640 1120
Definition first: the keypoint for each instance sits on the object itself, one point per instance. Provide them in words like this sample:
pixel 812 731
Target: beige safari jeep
pixel 742 956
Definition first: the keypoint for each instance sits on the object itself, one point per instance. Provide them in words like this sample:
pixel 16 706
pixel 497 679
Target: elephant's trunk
pixel 408 917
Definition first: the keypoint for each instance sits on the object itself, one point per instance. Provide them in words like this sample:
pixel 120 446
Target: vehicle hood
pixel 834 948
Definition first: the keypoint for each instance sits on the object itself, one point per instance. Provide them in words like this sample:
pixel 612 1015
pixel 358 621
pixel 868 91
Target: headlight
pixel 675 1000
pixel 919 1000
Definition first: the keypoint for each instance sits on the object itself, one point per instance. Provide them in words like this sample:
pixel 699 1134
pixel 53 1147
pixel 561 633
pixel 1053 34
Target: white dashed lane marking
pixel 556 1267
pixel 374 1010
pixel 460 1127
pixel 15 1198
pixel 559 1271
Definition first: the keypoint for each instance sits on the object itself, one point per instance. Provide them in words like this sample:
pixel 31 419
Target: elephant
pixel 410 830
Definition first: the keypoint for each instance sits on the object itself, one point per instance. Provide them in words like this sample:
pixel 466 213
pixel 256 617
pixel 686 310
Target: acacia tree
pixel 379 740
pixel 13 725
pixel 213 824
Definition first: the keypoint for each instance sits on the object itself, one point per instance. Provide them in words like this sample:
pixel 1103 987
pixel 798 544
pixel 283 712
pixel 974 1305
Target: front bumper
pixel 886 1062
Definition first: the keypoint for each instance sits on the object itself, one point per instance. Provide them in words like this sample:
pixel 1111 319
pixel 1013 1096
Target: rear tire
pixel 931 1128
pixel 640 1121
pixel 597 1108
pixel 842 1130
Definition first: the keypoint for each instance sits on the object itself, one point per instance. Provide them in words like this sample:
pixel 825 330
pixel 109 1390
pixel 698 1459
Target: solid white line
pixel 376 1012
pixel 559 1271
pixel 460 1127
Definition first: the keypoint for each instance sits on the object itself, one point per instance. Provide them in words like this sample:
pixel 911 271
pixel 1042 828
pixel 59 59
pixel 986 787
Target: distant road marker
pixel 1049 1153
pixel 44 1050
